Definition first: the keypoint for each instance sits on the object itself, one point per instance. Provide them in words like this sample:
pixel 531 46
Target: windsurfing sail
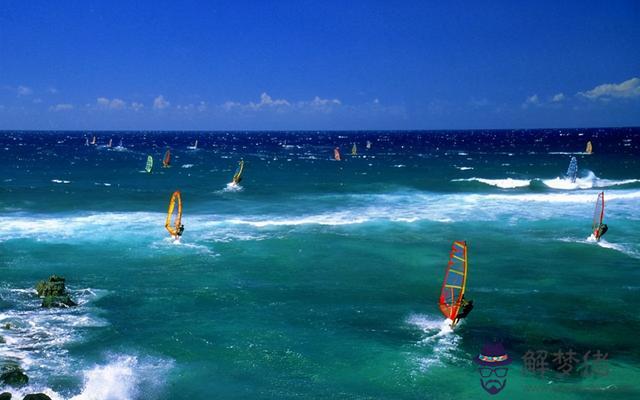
pixel 149 166
pixel 93 141
pixel 336 154
pixel 455 281
pixel 166 161
pixel 237 176
pixel 110 142
pixel 368 144
pixel 598 215
pixel 174 214
pixel 589 148
pixel 572 171
pixel 86 142
pixel 354 150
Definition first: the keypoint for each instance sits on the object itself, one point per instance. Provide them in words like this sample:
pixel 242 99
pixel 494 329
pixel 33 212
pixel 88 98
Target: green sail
pixel 149 166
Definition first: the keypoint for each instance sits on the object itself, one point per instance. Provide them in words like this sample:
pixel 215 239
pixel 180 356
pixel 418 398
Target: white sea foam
pixel 232 187
pixel 60 181
pixel 463 168
pixel 439 337
pixel 624 248
pixel 588 182
pixel 187 165
pixel 507 183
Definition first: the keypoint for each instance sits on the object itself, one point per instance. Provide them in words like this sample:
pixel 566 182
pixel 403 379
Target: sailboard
pixel 598 216
pixel 354 150
pixel 368 144
pixel 572 171
pixel 110 143
pixel 174 214
pixel 166 161
pixel 336 154
pixel 194 147
pixel 93 141
pixel 589 148
pixel 455 281
pixel 86 142
pixel 237 176
pixel 149 166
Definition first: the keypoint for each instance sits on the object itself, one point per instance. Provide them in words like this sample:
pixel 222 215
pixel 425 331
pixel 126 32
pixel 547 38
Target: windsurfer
pixel 602 229
pixel 180 230
pixel 466 307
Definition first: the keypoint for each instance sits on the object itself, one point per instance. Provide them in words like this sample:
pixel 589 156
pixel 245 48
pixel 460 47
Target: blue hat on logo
pixel 492 355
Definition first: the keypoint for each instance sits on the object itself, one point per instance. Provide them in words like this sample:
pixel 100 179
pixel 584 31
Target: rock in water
pixel 53 287
pixel 36 396
pixel 54 293
pixel 58 301
pixel 5 396
pixel 13 375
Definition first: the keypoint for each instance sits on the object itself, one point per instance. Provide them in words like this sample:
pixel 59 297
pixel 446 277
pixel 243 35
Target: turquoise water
pixel 317 279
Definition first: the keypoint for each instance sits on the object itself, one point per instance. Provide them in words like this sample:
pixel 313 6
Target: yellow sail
pixel 354 150
pixel 174 227
pixel 589 149
pixel 455 281
pixel 237 177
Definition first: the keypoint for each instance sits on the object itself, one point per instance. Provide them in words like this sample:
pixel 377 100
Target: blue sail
pixel 572 171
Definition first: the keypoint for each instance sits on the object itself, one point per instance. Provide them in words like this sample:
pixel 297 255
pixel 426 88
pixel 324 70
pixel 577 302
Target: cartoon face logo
pixel 492 366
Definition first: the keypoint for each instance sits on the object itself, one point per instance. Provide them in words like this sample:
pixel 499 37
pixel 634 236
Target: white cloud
pixel 137 106
pixel 160 103
pixel 52 90
pixel 627 89
pixel 531 101
pixel 37 100
pixel 558 98
pixel 115 104
pixel 281 105
pixel 24 91
pixel 61 107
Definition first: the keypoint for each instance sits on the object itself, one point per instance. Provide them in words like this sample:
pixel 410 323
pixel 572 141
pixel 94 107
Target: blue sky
pixel 319 64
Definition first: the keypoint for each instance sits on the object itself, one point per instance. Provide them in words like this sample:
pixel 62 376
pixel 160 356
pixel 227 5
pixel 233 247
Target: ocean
pixel 319 278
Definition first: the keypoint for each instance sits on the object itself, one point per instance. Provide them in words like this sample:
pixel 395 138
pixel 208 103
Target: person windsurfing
pixel 600 231
pixel 465 308
pixel 180 232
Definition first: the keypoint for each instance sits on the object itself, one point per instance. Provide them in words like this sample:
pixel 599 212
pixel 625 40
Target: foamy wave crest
pixel 507 183
pixel 125 377
pixel 623 248
pixel 589 182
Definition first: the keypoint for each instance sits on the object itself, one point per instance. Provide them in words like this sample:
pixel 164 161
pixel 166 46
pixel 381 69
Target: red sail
pixel 455 281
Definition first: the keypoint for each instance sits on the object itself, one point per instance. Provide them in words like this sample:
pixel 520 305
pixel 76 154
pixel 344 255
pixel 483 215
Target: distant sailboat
pixel 572 171
pixel 368 144
pixel 589 148
pixel 149 166
pixel 93 141
pixel 194 147
pixel 166 161
pixel 110 143
pixel 354 150
pixel 336 154
pixel 598 228
pixel 237 177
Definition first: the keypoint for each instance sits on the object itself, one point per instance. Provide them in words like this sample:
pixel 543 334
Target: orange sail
pixel 166 161
pixel 336 154
pixel 455 281
pixel 174 226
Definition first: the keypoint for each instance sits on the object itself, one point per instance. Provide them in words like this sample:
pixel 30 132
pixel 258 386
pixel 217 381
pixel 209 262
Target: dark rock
pixel 1 341
pixel 6 326
pixel 53 287
pixel 54 293
pixel 36 396
pixel 58 301
pixel 13 375
pixel 5 396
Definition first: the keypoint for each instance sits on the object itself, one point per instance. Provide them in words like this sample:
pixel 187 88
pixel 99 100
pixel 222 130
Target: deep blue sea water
pixel 317 278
